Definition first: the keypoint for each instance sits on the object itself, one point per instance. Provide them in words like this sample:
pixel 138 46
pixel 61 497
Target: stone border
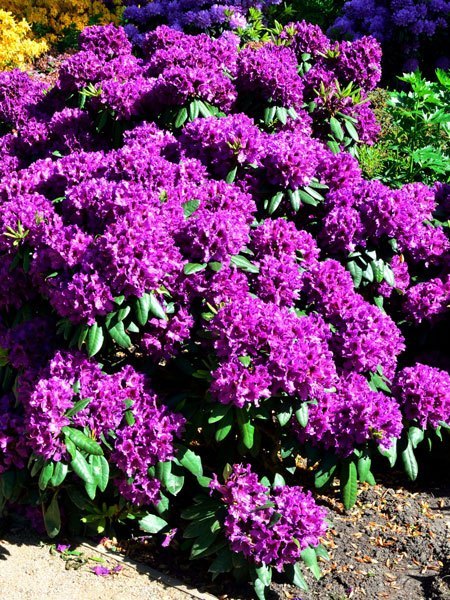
pixel 155 575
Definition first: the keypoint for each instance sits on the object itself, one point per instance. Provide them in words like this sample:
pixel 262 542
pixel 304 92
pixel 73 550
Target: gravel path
pixel 29 571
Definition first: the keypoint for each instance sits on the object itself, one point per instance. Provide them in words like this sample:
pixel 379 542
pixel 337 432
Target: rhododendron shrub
pixel 193 283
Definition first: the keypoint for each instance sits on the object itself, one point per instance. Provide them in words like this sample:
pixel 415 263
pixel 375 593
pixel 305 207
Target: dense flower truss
pixel 51 393
pixel 223 144
pixel 364 337
pixel 270 74
pixel 424 394
pixel 141 445
pixel 264 350
pixel 345 419
pixel 251 507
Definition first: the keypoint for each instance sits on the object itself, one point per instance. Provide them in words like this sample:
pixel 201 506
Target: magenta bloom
pixel 250 510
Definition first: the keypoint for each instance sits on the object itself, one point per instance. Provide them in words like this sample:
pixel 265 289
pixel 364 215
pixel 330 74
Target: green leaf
pixel 202 527
pixel 364 463
pixel 190 207
pixel 278 480
pixel 191 268
pixel 181 118
pixel 100 471
pixel 193 110
pixel 245 360
pixel 269 114
pixel 223 563
pixel 325 472
pixel 82 469
pixel 282 115
pixel 231 175
pixel 225 426
pixel 310 559
pixel 204 481
pixel 312 192
pixel 336 129
pixel 95 339
pixel 349 483
pixel 152 524
pixel 264 574
pixel 284 415
pixel 215 266
pixel 333 146
pixel 142 308
pixel 59 474
pixel 119 335
pixel 246 428
pixel 82 441
pixel 205 111
pixel 37 466
pixel 351 130
pixel 388 275
pixel 189 460
pixel 46 475
pixel 202 544
pixel 307 198
pixel 243 263
pixel 71 448
pixel 52 518
pixel 302 414
pixel 410 462
pixel 295 200
pixel 218 411
pixel 78 406
pixel 416 435
pixel 275 202
pixel 156 309
pixel 356 272
pixel 321 552
pixel 295 575
pixel 390 453
pixel 260 589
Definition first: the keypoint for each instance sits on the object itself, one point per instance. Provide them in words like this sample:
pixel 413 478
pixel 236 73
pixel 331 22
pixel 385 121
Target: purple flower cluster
pixel 364 338
pixel 350 416
pixel 424 394
pixel 48 394
pixel 141 445
pixel 251 507
pixel 266 350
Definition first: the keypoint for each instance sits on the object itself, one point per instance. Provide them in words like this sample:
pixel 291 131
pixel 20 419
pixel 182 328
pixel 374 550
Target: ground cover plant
pixel 199 287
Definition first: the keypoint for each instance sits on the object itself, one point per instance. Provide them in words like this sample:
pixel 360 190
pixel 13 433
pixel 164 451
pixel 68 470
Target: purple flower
pixel 424 394
pixel 250 525
pixel 345 419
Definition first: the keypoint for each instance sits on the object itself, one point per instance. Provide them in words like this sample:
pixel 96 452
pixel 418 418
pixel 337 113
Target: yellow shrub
pixel 53 17
pixel 17 48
